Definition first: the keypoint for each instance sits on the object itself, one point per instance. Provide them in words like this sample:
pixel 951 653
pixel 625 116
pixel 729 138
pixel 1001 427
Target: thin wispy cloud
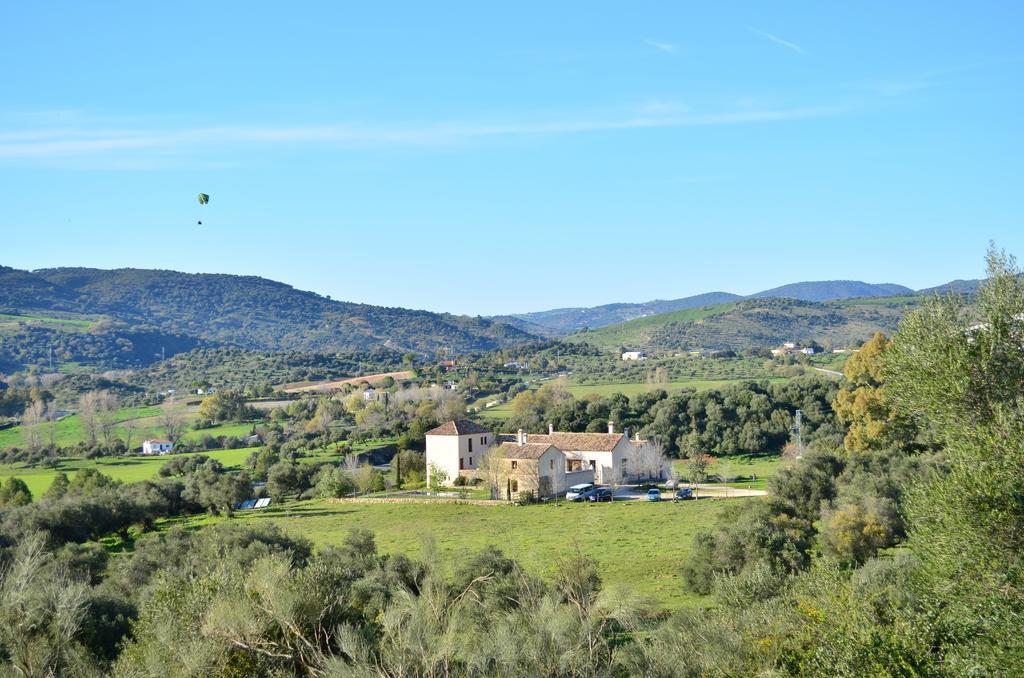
pixel 779 41
pixel 63 142
pixel 660 46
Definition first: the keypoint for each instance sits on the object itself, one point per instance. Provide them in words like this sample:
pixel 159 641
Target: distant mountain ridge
pixel 242 311
pixel 832 290
pixel 564 321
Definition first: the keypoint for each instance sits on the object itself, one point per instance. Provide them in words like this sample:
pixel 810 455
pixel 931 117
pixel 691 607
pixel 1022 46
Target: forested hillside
pixel 144 310
pixel 756 323
pixel 564 321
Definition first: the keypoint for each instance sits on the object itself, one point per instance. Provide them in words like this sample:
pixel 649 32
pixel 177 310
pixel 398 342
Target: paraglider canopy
pixel 203 198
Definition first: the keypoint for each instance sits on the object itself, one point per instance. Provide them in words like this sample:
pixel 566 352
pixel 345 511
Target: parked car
pixel 684 493
pixel 654 494
pixel 600 494
pixel 576 492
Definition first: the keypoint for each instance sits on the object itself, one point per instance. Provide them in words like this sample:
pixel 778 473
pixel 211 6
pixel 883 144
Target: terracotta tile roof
pixel 578 442
pixel 459 427
pixel 525 451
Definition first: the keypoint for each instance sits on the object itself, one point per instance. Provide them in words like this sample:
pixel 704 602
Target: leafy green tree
pixel 872 424
pixel 853 533
pixel 335 482
pixel 962 372
pixel 215 490
pixel 59 487
pixel 15 493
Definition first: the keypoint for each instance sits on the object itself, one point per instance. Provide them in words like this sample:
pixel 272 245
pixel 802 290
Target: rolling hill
pixel 562 322
pixel 831 290
pixel 134 312
pixel 754 323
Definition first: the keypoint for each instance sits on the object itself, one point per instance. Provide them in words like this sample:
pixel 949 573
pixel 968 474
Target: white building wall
pixel 454 452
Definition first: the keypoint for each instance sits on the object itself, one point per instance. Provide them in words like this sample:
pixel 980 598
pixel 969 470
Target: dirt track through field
pixel 335 384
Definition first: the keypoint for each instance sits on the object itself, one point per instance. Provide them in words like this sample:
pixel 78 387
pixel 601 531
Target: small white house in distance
pixel 634 355
pixel 155 446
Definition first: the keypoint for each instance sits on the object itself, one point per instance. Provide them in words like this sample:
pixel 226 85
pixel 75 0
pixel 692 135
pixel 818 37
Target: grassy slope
pixel 638 332
pixel 128 469
pixel 638 544
pixel 12 323
pixel 147 425
pixel 750 323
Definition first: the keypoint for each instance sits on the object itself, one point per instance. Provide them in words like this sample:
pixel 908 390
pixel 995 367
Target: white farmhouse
pixel 611 456
pixel 633 355
pixel 461 447
pixel 157 446
pixel 457 446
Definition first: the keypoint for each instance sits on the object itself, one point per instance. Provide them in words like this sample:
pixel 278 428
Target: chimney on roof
pixel 521 437
pixel 625 432
pixel 611 427
pixel 551 429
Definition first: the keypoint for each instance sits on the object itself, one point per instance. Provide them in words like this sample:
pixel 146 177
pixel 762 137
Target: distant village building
pixel 790 348
pixel 157 446
pixel 525 365
pixel 633 355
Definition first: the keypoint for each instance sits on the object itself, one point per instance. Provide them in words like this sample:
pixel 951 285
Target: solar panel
pixel 262 503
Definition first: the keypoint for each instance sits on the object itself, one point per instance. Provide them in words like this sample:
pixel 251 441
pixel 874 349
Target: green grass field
pixel 11 323
pixel 634 543
pixel 130 469
pixel 69 430
pixel 127 469
pixel 742 466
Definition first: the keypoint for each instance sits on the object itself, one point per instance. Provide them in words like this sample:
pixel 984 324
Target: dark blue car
pixel 600 494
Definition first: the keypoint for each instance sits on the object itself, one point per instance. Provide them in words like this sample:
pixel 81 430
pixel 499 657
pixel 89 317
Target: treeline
pixel 749 417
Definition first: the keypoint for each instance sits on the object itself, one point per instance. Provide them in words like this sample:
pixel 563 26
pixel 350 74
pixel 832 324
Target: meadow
pixel 13 323
pixel 126 469
pixel 145 422
pixel 135 468
pixel 741 467
pixel 636 544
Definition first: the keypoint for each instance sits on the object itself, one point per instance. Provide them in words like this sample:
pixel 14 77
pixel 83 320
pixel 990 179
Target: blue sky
pixel 481 159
